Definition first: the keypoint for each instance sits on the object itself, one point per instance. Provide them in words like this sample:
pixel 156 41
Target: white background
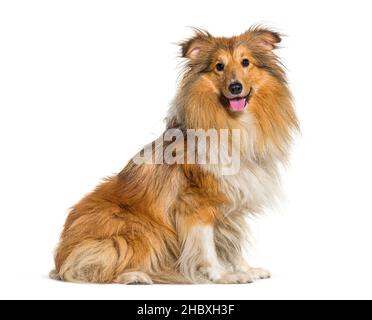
pixel 84 84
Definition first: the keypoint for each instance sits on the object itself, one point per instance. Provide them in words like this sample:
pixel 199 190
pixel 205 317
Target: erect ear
pixel 192 47
pixel 263 38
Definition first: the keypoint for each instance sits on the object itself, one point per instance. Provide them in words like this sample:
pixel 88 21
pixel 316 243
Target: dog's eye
pixel 245 63
pixel 220 66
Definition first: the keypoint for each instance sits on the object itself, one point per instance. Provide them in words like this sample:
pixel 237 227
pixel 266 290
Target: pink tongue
pixel 237 104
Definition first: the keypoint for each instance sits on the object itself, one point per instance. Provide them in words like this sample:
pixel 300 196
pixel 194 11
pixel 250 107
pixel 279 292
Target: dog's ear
pixel 191 48
pixel 262 38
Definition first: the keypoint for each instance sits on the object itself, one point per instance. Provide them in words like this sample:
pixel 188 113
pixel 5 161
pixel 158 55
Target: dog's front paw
pixel 236 278
pixel 256 273
pixel 259 273
pixel 211 273
pixel 217 274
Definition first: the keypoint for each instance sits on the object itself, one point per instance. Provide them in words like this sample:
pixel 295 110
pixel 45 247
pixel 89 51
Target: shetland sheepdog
pixel 173 215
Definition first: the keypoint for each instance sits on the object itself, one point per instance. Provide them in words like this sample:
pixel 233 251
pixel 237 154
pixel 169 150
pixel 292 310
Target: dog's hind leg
pixel 95 261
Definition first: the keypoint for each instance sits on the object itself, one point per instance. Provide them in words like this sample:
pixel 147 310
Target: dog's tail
pixel 54 275
pixel 99 261
pixel 166 277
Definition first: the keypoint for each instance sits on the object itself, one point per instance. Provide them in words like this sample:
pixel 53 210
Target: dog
pixel 186 221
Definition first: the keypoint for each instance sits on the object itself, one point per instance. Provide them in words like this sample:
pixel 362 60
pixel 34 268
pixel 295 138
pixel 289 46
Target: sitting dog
pixel 173 215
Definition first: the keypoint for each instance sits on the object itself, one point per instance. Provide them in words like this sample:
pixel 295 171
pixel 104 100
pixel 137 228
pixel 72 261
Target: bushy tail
pixel 54 275
pixel 101 261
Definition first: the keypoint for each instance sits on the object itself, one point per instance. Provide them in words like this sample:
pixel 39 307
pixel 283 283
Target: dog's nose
pixel 236 88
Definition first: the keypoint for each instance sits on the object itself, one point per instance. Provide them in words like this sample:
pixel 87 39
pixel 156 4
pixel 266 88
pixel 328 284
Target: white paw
pixel 259 273
pixel 134 278
pixel 211 273
pixel 236 278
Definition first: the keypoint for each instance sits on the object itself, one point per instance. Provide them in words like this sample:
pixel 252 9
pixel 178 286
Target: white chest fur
pixel 253 188
pixel 256 182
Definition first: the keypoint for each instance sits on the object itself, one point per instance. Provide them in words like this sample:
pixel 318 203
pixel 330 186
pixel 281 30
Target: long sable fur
pixel 140 220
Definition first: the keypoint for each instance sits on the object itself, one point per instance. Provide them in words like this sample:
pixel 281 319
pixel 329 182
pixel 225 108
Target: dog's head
pixel 226 78
pixel 234 68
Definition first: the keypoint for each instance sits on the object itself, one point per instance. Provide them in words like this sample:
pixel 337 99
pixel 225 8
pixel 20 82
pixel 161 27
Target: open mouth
pixel 240 103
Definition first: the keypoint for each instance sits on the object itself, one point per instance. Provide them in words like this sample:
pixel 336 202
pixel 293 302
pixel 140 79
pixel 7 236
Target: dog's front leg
pixel 199 261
